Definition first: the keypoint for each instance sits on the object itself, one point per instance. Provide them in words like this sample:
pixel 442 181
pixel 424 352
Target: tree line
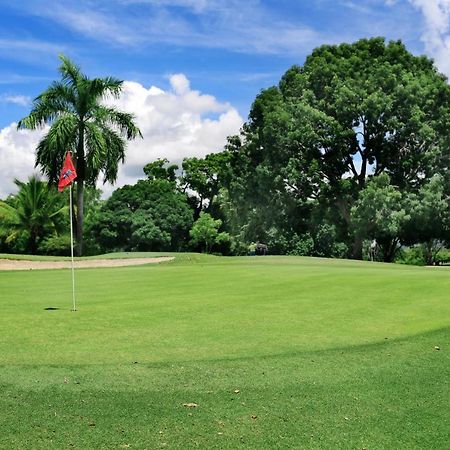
pixel 349 152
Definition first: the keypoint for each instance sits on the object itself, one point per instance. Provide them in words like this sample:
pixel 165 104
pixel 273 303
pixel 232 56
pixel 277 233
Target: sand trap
pixel 15 264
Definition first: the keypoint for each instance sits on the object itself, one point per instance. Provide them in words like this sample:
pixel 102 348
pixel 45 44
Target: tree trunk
pixel 33 242
pixel 389 250
pixel 357 248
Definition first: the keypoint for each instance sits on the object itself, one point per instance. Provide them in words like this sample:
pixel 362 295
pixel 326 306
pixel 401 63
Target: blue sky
pixel 192 67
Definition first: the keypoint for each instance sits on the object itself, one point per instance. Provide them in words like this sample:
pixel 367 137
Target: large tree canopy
pixel 81 123
pixel 351 112
pixel 374 108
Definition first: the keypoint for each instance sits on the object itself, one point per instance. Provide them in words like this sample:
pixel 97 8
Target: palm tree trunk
pixel 33 242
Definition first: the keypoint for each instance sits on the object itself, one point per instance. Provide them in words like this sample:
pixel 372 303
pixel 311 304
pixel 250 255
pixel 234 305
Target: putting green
pixel 226 353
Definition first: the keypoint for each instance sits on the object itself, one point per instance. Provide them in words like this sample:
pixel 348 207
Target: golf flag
pixel 68 173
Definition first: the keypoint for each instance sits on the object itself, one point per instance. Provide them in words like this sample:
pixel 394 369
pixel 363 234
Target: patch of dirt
pixel 16 264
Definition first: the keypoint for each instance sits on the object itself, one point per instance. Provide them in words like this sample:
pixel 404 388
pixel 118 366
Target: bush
pixel 411 255
pixel 417 256
pixel 277 241
pixel 302 246
pixel 237 246
pixel 325 243
pixel 443 257
pixel 55 246
pixel 206 236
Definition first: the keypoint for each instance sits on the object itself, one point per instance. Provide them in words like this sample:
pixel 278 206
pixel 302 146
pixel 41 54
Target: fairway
pixel 275 352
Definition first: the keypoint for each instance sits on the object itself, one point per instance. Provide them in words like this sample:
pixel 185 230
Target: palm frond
pixel 106 87
pixel 37 211
pixel 69 71
pixel 96 150
pixel 105 150
pixel 58 99
pixel 122 121
pixel 40 115
pixel 8 214
pixel 115 154
pixel 60 96
pixel 52 148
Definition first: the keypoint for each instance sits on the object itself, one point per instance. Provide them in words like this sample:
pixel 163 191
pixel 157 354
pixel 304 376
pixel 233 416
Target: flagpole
pixel 71 250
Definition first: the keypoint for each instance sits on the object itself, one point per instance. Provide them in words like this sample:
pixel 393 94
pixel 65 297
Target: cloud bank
pixel 16 156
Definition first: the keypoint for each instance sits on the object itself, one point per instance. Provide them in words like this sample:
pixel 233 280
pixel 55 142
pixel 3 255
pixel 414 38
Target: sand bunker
pixel 12 264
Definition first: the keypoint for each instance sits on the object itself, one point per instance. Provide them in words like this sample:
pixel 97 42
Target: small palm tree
pixel 79 122
pixel 37 211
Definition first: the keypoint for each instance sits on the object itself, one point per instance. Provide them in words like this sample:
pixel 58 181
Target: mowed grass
pixel 276 352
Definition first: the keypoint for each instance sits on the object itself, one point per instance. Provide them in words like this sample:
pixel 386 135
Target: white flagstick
pixel 71 250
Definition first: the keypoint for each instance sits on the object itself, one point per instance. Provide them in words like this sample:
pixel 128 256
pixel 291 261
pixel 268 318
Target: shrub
pixel 55 245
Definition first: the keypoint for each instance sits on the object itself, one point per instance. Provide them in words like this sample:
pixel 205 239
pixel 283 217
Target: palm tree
pixel 35 212
pixel 79 122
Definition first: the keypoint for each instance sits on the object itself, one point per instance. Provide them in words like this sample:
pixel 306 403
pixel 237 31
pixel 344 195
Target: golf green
pixel 211 352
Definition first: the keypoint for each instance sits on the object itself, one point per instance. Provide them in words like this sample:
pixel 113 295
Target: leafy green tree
pixel 351 112
pixel 161 170
pixel 92 206
pixel 80 122
pixel 430 218
pixel 204 177
pixel 380 213
pixel 150 215
pixel 36 212
pixel 205 233
pixel 256 204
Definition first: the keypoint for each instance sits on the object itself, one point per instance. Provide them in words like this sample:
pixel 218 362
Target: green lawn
pixel 277 352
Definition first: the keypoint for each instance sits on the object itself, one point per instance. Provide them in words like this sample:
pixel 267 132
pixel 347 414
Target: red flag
pixel 68 173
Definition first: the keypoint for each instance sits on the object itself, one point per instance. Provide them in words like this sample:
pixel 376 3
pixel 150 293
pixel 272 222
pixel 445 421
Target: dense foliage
pixel 347 157
pixel 32 218
pixel 150 215
pixel 310 155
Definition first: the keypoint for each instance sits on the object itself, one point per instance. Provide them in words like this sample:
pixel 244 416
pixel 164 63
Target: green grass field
pixel 276 352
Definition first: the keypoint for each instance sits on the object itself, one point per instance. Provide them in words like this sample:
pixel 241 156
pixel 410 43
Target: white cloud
pixel 180 83
pixel 175 123
pixel 436 33
pixel 21 100
pixel 17 156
